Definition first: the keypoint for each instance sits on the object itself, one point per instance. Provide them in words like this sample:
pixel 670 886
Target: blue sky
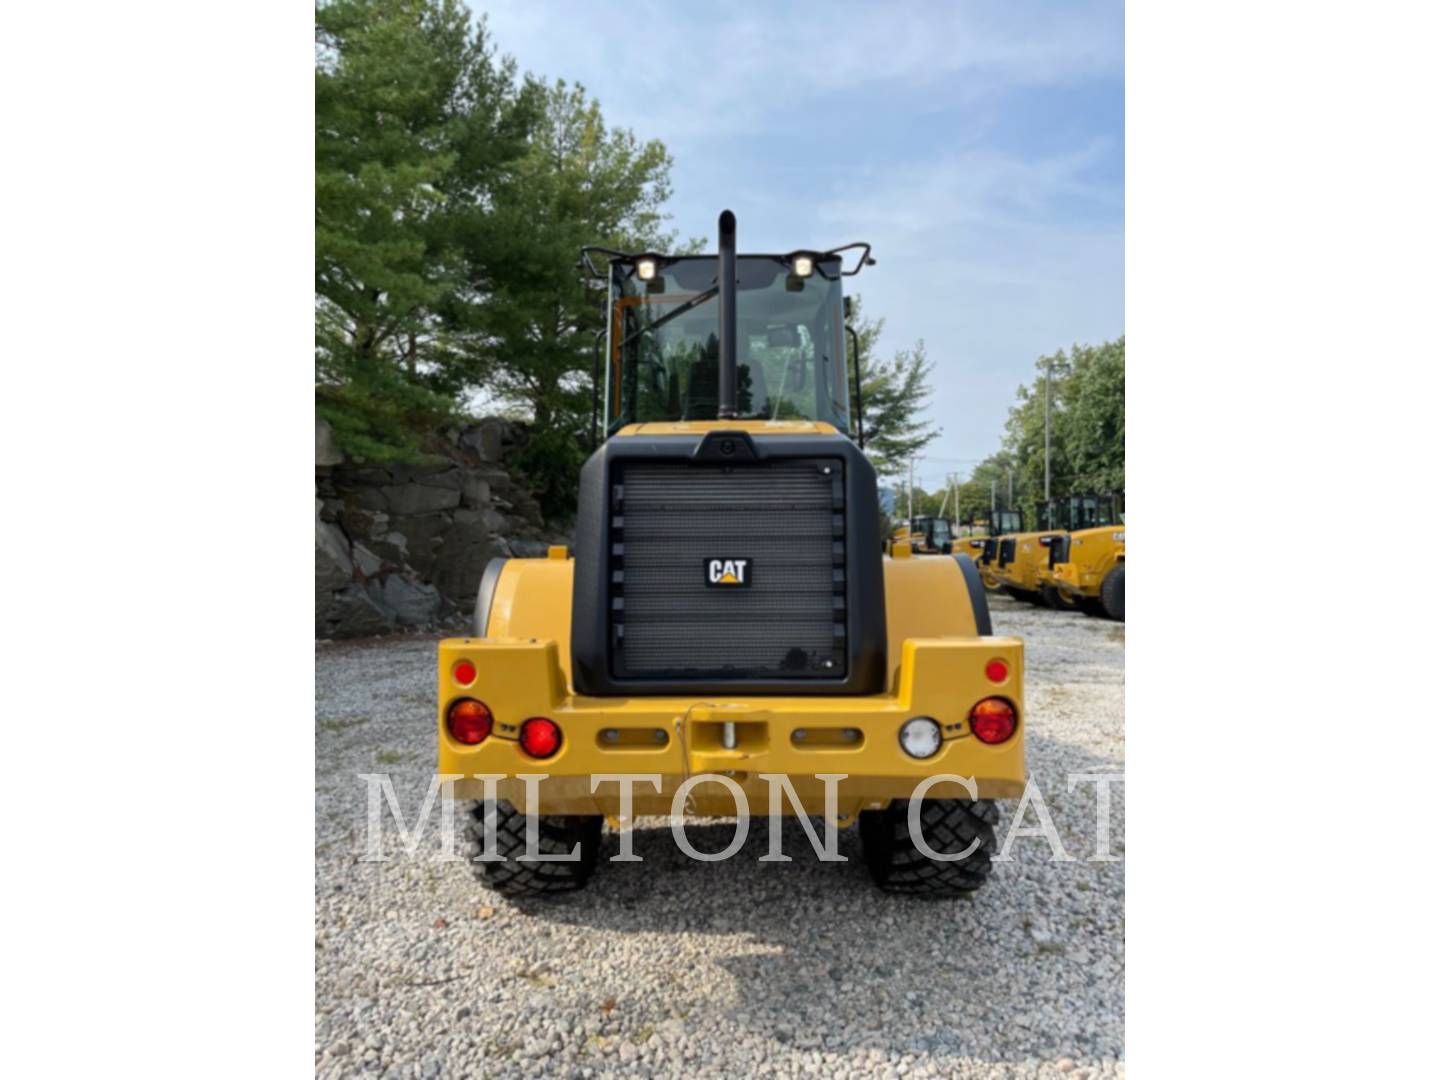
pixel 978 146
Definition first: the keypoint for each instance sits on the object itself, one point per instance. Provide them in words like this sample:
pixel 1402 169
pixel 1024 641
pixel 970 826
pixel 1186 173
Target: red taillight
pixel 464 673
pixel 993 720
pixel 539 737
pixel 469 721
pixel 997 671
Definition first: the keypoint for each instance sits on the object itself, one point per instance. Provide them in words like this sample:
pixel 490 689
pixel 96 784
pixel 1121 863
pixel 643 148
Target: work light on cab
pixel 469 721
pixel 540 737
pixel 993 720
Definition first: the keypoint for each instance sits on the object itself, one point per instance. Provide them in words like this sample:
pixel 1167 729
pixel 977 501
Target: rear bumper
pixel 679 737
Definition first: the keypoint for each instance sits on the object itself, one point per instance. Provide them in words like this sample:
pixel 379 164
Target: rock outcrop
pixel 403 546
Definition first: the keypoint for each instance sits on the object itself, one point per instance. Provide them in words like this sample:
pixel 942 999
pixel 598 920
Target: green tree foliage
pixel 1087 429
pixel 580 182
pixel 1093 420
pixel 895 393
pixel 416 123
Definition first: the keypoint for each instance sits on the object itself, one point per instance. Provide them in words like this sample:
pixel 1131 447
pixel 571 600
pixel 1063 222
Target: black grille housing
pixel 1059 550
pixel 785 518
pixel 801 509
pixel 1007 551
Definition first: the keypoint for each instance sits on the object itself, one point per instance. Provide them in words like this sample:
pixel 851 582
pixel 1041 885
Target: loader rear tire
pixel 558 836
pixel 1055 599
pixel 949 826
pixel 1112 593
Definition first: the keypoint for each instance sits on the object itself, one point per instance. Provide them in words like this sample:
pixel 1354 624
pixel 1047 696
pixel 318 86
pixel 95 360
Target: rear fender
pixel 924 598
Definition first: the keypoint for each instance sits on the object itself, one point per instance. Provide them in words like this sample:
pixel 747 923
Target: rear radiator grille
pixel 786 520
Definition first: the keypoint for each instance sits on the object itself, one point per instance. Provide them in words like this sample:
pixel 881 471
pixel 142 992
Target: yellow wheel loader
pixel 926 536
pixel 727 635
pixel 1071 512
pixel 1090 563
pixel 969 540
pixel 1020 558
pixel 1002 524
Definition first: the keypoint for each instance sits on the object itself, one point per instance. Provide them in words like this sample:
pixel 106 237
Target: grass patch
pixel 391 757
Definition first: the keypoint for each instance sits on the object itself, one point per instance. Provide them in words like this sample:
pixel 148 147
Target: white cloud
pixel 991 250
pixel 690 73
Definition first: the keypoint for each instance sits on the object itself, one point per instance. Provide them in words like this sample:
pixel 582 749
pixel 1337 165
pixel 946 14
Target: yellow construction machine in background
pixel 1089 566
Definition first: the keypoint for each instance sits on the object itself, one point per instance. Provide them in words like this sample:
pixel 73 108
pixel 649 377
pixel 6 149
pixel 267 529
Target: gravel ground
pixel 678 968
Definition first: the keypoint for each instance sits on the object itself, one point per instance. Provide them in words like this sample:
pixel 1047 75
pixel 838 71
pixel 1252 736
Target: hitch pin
pixel 727 735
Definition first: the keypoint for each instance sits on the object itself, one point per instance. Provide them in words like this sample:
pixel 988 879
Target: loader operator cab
pixel 932 534
pixel 1075 512
pixel 664 342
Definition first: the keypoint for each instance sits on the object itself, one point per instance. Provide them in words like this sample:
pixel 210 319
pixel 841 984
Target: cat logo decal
pixel 727 573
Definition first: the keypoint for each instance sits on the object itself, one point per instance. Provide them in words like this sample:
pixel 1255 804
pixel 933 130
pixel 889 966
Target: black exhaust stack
pixel 726 409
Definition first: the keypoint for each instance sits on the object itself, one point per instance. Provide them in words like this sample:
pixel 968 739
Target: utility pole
pixel 992 498
pixel 1010 489
pixel 910 497
pixel 1047 432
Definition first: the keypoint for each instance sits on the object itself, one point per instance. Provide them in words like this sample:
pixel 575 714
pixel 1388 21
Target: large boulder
pixel 464 553
pixel 420 498
pixel 404 545
pixel 423 535
pixel 474 490
pixel 411 602
pixel 486 439
pixel 355 612
pixel 326 452
pixel 334 569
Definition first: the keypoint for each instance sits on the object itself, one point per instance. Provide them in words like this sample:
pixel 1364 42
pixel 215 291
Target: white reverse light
pixel 645 268
pixel 804 266
pixel 920 737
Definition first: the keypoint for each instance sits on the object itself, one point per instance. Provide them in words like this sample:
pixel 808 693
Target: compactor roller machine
pixel 727 628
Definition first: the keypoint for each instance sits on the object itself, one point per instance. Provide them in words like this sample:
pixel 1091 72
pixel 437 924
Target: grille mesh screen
pixel 786 519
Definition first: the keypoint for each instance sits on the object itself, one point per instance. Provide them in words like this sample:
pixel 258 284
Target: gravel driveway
pixel 679 968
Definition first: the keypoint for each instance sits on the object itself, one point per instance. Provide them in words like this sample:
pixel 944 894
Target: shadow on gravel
pixel 997 991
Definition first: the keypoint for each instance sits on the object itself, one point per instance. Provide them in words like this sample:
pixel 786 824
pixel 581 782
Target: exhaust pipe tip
pixel 726 406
